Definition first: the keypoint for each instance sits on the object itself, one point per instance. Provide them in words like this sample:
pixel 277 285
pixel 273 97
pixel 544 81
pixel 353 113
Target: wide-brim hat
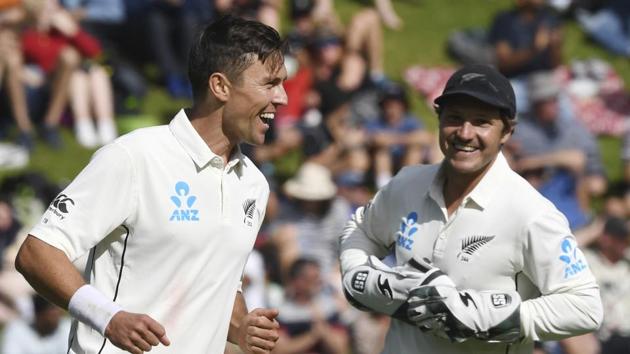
pixel 312 182
pixel 483 83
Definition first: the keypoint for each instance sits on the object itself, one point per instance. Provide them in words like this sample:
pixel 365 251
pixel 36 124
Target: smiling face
pixel 471 135
pixel 252 102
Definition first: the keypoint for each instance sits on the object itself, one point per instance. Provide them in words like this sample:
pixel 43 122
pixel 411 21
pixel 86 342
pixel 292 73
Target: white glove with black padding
pixel 377 287
pixel 491 316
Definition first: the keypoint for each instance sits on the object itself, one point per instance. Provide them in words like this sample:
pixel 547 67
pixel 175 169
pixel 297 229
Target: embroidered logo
pixel 358 281
pixel 572 258
pixel 408 227
pixel 184 202
pixel 471 76
pixel 475 76
pixel 60 206
pixel 383 286
pixel 472 244
pixel 500 300
pixel 249 208
pixel 466 298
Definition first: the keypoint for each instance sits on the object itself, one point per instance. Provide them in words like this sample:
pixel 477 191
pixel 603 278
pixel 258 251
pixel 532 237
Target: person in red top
pixel 56 44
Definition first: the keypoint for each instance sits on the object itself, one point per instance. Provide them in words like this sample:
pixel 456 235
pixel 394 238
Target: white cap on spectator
pixel 312 182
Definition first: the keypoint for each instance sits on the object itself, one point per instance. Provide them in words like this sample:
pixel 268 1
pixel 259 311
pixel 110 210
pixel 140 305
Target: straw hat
pixel 312 182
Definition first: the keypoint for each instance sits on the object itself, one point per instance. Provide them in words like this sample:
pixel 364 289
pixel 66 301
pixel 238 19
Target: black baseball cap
pixel 482 82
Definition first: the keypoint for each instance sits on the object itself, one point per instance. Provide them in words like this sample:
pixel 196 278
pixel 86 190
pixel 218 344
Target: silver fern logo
pixel 249 208
pixel 472 244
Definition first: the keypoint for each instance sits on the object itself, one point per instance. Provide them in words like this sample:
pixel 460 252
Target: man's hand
pixel 135 333
pixel 258 332
pixel 493 316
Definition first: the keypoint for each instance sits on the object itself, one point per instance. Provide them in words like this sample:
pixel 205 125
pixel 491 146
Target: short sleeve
pixel 101 198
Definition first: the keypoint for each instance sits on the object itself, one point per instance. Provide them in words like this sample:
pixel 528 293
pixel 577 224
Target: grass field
pixel 427 25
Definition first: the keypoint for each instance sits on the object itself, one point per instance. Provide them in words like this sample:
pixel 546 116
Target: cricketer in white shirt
pixel 514 273
pixel 505 236
pixel 178 229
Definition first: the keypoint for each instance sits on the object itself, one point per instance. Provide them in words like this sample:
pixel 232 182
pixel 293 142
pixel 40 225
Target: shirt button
pixel 217 162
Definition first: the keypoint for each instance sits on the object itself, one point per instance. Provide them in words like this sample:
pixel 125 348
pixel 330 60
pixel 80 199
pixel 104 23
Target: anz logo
pixel 572 258
pixel 408 227
pixel 184 202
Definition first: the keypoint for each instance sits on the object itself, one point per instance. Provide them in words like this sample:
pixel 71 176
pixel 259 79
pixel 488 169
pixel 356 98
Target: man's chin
pixel 464 167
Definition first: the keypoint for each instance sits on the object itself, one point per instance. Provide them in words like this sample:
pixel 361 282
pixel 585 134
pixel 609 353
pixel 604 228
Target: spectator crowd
pixel 346 131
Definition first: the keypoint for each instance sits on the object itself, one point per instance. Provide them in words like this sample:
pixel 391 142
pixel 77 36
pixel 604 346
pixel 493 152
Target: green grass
pixel 427 24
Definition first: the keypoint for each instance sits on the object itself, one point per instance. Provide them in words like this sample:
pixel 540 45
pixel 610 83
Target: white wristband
pixel 91 307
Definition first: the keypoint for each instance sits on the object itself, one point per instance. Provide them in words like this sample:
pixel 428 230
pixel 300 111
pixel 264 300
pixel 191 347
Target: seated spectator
pixel 354 188
pixel 310 222
pixel 309 318
pixel 47 334
pixel 57 45
pixel 397 138
pixel 265 11
pixel 92 103
pixel 611 267
pixel 11 67
pixel 170 29
pixel 608 25
pixel 108 22
pixel 527 38
pixel 561 159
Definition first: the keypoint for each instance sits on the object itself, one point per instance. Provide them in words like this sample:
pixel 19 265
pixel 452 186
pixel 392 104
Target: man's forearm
pixel 48 270
pixel 562 315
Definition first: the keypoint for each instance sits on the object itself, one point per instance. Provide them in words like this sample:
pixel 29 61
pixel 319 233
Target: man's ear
pixel 219 86
pixel 508 131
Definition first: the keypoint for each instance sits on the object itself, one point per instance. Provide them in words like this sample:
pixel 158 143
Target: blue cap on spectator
pixel 350 179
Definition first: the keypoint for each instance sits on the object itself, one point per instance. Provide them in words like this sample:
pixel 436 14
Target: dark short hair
pixel 297 267
pixel 616 228
pixel 230 45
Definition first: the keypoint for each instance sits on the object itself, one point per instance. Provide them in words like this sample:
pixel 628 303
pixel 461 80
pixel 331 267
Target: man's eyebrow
pixel 274 79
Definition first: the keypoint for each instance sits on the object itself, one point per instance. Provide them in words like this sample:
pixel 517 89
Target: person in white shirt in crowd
pixel 484 263
pixel 168 215
pixel 46 334
pixel 611 267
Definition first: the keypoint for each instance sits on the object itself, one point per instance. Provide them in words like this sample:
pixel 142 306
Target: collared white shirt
pixel 168 229
pixel 504 236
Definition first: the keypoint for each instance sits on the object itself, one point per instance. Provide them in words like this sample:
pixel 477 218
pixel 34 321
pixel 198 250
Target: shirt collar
pixel 483 192
pixel 195 146
pixel 491 182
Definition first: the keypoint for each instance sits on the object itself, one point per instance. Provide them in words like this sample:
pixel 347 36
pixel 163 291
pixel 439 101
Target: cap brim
pixel 493 101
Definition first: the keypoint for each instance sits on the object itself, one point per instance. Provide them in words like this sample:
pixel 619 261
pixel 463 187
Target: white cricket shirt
pixel 504 236
pixel 168 228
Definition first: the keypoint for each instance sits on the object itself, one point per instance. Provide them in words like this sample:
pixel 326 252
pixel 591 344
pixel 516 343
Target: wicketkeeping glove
pixel 374 286
pixel 492 316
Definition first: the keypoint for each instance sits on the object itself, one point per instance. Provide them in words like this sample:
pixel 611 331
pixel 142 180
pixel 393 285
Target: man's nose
pixel 280 95
pixel 465 130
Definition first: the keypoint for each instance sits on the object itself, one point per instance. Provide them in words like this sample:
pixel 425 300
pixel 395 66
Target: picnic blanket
pixel 596 91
